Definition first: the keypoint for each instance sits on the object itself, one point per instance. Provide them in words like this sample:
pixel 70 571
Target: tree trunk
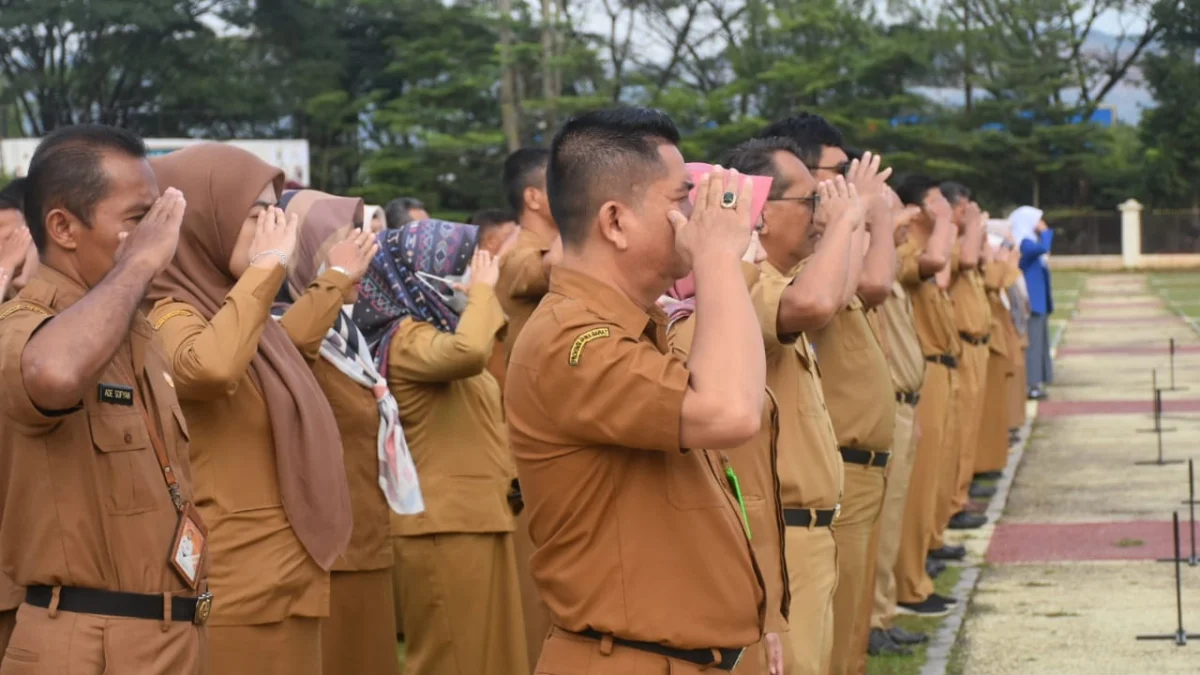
pixel 510 121
pixel 548 77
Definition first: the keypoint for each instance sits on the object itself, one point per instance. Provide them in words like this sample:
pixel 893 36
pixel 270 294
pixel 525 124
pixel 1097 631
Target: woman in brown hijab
pixel 266 453
pixel 335 248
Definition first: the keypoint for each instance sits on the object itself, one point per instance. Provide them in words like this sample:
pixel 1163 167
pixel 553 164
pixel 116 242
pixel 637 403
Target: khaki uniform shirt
pixel 996 278
pixel 933 313
pixel 634 535
pixel 857 382
pixel 754 464
pixel 810 467
pixel 84 497
pixel 357 416
pixel 904 347
pixel 971 314
pixel 522 282
pixel 260 573
pixel 452 419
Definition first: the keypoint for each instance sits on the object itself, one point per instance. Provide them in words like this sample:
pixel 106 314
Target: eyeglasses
pixel 813 200
pixel 842 168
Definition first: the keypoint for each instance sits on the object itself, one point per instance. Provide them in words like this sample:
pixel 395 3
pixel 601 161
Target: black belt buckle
pixel 204 604
pixel 700 657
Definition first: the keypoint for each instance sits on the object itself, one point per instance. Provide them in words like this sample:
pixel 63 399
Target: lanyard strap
pixel 160 453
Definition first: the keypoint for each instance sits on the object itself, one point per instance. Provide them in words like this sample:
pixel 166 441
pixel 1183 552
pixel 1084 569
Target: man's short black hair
pixel 603 155
pixel 519 171
pixel 756 157
pixel 12 196
pixel 912 189
pixel 66 172
pixel 396 211
pixel 954 191
pixel 811 132
pixel 488 218
pixel 853 153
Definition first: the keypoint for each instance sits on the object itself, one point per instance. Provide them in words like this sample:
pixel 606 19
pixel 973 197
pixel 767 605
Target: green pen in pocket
pixel 737 492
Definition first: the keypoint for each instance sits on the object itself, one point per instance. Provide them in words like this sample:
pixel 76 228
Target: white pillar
pixel 1131 233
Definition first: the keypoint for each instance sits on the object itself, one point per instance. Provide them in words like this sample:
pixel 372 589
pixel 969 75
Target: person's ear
pixel 615 221
pixel 63 228
pixel 534 199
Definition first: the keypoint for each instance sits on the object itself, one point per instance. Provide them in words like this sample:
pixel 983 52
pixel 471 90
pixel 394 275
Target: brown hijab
pixel 221 183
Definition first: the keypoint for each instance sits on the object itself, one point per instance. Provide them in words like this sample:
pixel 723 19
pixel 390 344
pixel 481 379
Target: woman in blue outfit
pixel 1034 238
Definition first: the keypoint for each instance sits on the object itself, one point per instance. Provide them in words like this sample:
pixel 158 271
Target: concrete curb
pixel 941 643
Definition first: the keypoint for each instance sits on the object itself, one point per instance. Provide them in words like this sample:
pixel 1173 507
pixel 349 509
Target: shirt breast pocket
pixel 690 483
pixel 123 476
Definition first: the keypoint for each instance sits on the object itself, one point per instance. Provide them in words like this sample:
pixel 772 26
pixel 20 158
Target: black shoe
pixel 989 475
pixel 903 637
pixel 944 599
pixel 930 607
pixel 979 491
pixel 881 643
pixel 948 552
pixel 967 521
pixel 934 567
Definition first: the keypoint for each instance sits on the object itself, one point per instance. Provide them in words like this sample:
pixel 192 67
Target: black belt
pixel 700 657
pixel 113 603
pixel 974 340
pixel 865 457
pixel 804 517
pixel 908 397
pixel 944 359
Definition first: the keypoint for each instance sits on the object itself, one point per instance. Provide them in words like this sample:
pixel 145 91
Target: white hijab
pixel 1024 221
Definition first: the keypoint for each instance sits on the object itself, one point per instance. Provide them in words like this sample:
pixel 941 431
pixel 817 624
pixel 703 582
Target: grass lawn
pixel 911 665
pixel 1181 290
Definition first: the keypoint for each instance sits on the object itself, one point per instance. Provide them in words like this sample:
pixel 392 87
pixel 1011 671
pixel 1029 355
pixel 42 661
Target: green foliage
pixel 403 96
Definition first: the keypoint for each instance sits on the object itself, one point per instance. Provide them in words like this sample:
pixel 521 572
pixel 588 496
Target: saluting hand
pixel 274 238
pixel 937 208
pixel 485 268
pixel 714 229
pixel 355 253
pixel 153 240
pixel 840 204
pixel 14 249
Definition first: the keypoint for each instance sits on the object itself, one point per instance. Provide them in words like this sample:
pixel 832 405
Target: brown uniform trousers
pixel 972 319
pixel 908 370
pixel 521 285
pixel 456 564
pixel 862 406
pixel 755 466
pixel 269 593
pixel 810 477
pixel 87 506
pixel 936 418
pixel 993 432
pixel 11 597
pixel 359 636
pixel 594 399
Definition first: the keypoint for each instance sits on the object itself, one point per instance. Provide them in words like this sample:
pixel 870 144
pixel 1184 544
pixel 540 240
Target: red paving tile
pixel 1134 349
pixel 1036 542
pixel 1073 408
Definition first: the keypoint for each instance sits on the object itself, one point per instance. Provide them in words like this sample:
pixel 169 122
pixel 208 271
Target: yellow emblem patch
pixel 170 315
pixel 22 307
pixel 582 340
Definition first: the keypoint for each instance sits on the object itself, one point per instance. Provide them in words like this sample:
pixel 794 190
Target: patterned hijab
pixel 221 184
pixel 391 290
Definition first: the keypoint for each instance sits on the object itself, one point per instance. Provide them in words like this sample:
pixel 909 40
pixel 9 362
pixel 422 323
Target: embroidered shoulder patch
pixel 170 315
pixel 22 307
pixel 582 340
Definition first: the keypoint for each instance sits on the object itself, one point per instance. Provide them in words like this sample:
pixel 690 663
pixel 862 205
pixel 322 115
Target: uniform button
pixel 128 438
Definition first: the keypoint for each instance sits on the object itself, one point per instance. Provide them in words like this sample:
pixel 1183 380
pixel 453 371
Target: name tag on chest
pixel 116 394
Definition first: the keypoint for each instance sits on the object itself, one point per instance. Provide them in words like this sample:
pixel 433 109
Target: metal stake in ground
pixel 1179 636
pixel 1193 561
pixel 1158 429
pixel 1173 387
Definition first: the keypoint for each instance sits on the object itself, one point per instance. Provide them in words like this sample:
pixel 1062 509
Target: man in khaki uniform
pixel 923 269
pixel 643 562
pixel 973 319
pixel 788 301
pixel 96 485
pixel 524 279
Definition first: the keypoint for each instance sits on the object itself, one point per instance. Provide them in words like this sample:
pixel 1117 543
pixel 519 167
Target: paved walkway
pixel 1069 577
